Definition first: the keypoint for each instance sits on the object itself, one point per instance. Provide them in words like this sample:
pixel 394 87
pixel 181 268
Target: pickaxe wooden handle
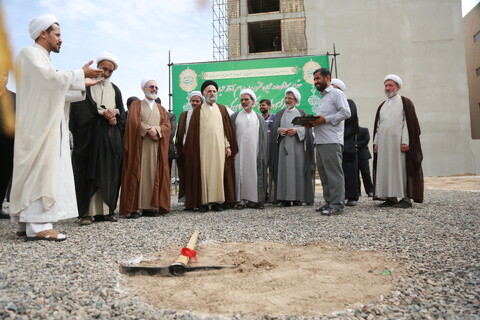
pixel 191 245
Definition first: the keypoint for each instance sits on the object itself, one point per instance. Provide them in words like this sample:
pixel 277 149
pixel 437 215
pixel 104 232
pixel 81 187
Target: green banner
pixel 268 78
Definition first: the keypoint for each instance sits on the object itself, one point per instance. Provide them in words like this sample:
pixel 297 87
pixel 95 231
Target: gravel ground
pixel 79 279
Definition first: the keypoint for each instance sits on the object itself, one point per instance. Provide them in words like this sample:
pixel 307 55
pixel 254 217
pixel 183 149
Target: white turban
pixel 339 83
pixel 145 80
pixel 109 57
pixel 250 93
pixel 295 92
pixel 41 23
pixel 195 94
pixel 395 78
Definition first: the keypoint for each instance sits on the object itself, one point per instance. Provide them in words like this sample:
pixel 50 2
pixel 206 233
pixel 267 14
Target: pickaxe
pixel 177 268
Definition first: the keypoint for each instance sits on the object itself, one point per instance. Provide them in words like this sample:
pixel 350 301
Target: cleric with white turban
pixel 339 83
pixel 394 78
pixel 295 92
pixel 109 57
pixel 250 93
pixel 41 23
pixel 144 81
pixel 196 94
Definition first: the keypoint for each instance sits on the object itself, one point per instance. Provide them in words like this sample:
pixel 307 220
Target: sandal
pixel 48 235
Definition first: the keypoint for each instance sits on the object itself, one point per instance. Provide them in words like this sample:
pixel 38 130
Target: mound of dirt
pixel 272 279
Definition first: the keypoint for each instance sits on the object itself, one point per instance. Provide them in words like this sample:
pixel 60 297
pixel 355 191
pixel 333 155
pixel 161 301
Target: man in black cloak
pixel 97 125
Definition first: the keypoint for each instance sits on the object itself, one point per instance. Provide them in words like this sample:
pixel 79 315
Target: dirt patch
pixel 272 279
pixel 465 183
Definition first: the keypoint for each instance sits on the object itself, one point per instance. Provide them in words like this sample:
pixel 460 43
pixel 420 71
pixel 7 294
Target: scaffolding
pixel 220 30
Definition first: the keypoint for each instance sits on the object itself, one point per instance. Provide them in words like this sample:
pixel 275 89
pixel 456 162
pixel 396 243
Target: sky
pixel 140 33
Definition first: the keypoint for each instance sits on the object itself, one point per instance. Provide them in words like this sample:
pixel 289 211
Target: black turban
pixel 208 83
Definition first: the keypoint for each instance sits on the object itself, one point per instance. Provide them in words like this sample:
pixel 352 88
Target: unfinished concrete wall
pixel 422 42
pixel 471 23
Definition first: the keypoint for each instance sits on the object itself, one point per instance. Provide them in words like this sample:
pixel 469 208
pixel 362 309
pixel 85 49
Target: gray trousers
pixel 329 166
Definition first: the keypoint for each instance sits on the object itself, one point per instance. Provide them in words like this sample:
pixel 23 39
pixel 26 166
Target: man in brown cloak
pixel 209 149
pixel 146 175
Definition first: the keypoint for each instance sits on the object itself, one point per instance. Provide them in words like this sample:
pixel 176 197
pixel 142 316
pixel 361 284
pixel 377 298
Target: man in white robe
pixel 398 154
pixel 43 188
pixel 251 159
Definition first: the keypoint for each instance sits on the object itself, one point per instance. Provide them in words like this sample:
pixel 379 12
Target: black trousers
pixel 350 172
pixel 364 171
pixel 6 164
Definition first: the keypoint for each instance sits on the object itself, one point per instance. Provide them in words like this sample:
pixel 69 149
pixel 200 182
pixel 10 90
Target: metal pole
pixel 169 83
pixel 335 60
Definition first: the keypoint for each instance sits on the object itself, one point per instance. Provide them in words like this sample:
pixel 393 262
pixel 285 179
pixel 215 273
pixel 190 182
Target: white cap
pixel 109 57
pixel 145 80
pixel 395 78
pixel 339 83
pixel 295 92
pixel 196 94
pixel 41 23
pixel 250 93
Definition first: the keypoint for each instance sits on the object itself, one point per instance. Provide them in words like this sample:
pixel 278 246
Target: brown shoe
pixel 48 235
pixel 85 221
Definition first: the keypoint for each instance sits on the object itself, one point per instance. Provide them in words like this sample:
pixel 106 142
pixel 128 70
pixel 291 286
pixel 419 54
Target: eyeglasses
pixel 153 87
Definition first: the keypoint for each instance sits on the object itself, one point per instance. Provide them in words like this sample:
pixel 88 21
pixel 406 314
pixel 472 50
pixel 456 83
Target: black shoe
pixel 203 208
pixel 330 211
pixel 102 217
pixel 297 203
pixel 240 206
pixel 150 213
pixel 135 215
pixel 285 204
pixel 21 233
pixel 258 205
pixel 403 204
pixel 387 203
pixel 324 207
pixel 351 203
pixel 111 218
pixel 217 207
pixel 4 215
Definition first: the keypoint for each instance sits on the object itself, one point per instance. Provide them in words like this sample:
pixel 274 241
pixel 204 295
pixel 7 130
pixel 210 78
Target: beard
pixel 321 86
pixel 151 96
pixel 211 98
pixel 289 106
pixel 390 94
pixel 247 107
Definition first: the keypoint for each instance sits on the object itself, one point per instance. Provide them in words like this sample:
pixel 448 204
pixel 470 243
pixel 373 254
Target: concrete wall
pixel 422 42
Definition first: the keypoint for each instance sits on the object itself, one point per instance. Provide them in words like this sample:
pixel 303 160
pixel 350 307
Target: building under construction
pixel 421 41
